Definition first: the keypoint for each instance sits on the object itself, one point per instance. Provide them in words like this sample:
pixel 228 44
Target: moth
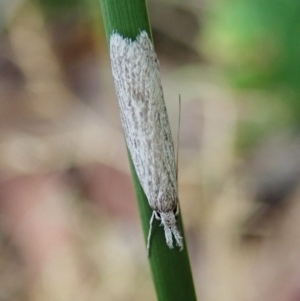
pixel 144 118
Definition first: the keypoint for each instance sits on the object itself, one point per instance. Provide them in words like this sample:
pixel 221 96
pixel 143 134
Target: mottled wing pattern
pixel 144 118
pixel 147 131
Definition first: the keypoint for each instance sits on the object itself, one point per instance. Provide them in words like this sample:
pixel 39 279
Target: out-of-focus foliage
pixel 257 45
pixel 68 220
pixel 258 42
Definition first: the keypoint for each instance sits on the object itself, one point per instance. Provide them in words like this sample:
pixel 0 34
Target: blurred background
pixel 69 226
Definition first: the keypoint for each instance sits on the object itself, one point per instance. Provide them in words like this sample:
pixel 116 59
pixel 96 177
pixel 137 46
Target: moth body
pixel 146 126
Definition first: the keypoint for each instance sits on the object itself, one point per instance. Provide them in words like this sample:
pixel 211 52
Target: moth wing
pixel 144 118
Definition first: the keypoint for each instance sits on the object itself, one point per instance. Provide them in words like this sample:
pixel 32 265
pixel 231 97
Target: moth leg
pixel 156 215
pixel 150 231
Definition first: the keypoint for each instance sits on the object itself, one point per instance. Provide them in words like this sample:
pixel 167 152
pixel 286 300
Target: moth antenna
pixel 178 134
pixel 149 234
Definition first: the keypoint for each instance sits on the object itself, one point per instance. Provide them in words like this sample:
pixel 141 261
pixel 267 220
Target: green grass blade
pixel 170 268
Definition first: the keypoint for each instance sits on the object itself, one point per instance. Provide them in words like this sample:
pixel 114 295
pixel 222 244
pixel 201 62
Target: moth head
pixel 168 219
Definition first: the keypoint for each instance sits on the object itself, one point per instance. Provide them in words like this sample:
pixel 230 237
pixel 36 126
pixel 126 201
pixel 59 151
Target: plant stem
pixel 170 268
